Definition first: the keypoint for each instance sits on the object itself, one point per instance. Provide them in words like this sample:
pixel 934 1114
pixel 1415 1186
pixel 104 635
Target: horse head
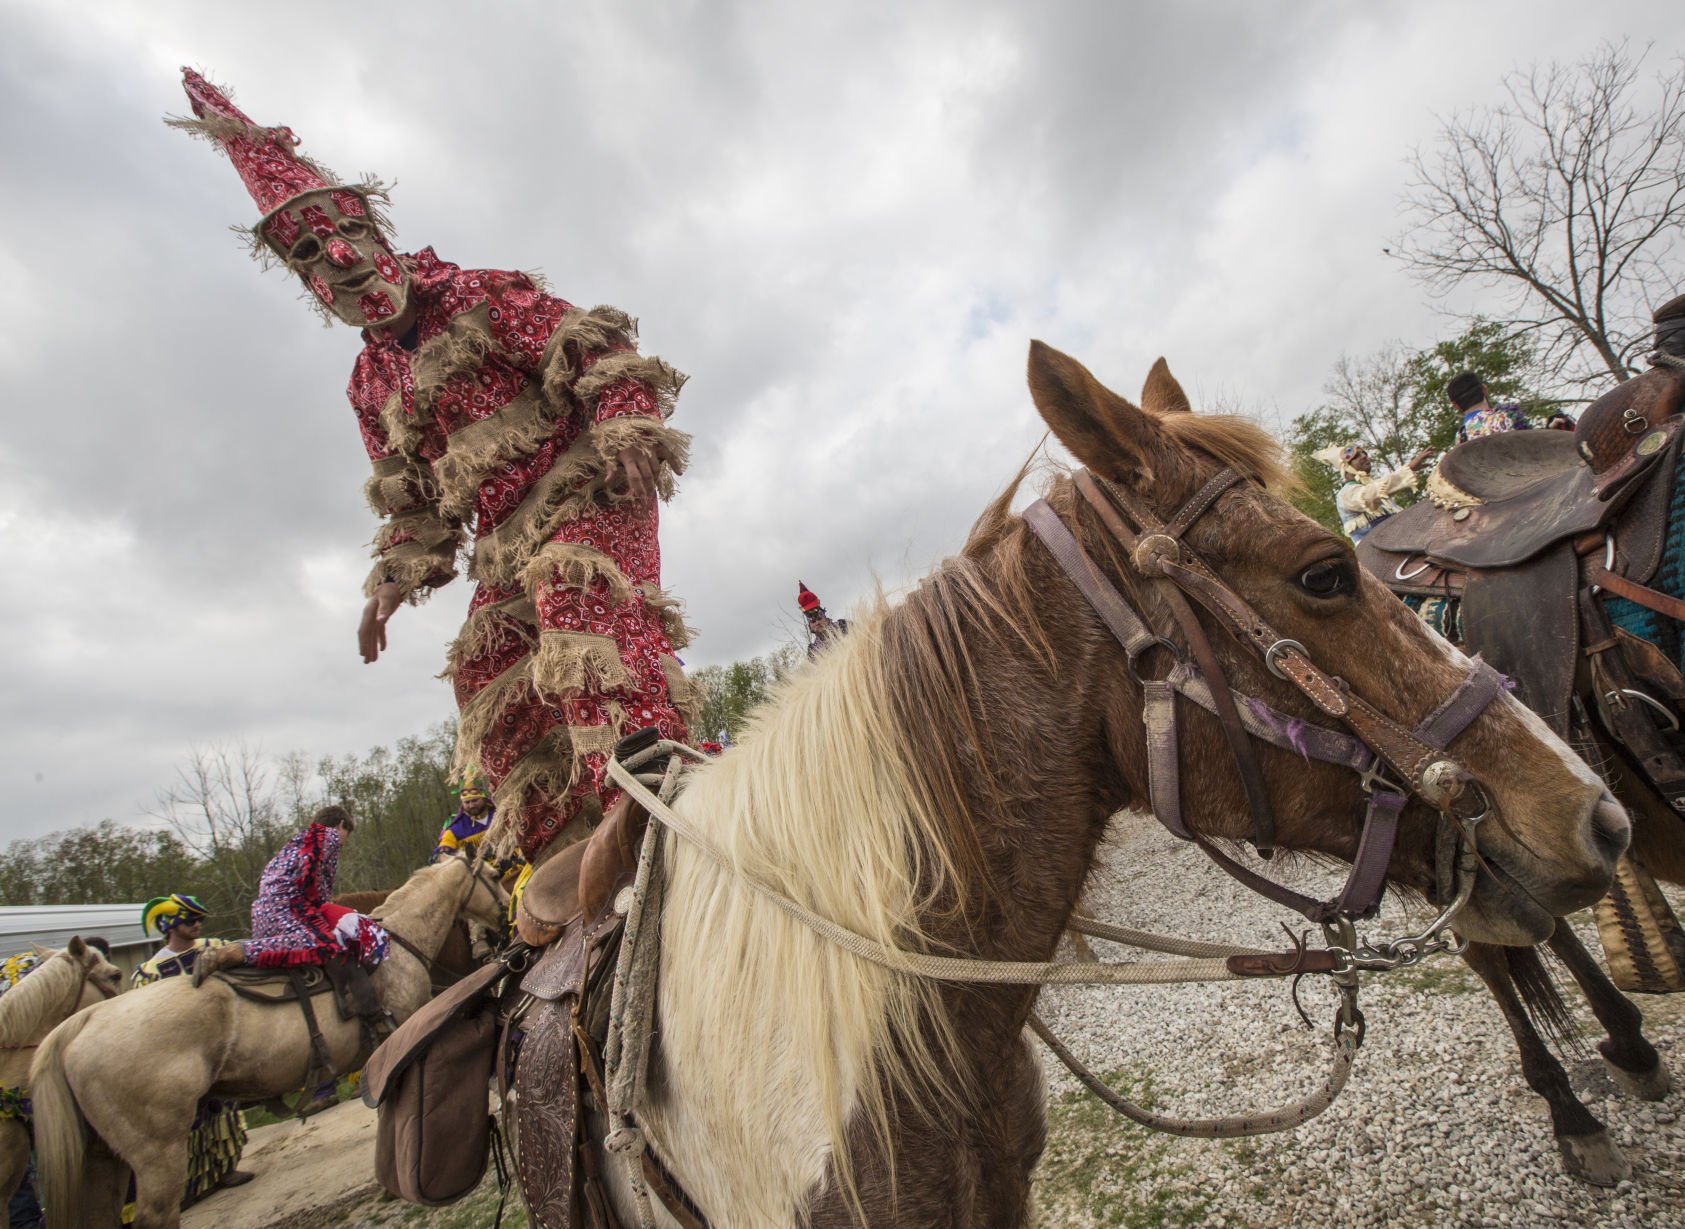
pixel 100 978
pixel 1549 843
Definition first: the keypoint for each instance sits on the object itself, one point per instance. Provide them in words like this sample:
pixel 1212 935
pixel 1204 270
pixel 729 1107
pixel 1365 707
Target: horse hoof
pixel 1594 1158
pixel 1651 1085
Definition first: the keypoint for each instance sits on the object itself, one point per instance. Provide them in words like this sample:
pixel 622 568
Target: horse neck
pixel 40 1002
pixel 1041 810
pixel 423 910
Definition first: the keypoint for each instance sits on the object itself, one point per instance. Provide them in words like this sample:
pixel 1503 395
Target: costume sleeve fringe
pixel 416 551
pixel 612 437
pixel 572 566
pixel 592 350
pixel 670 610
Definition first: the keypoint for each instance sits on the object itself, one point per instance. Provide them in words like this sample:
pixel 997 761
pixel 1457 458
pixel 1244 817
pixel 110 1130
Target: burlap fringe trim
pixel 671 611
pixel 582 332
pixel 517 430
pixel 572 664
pixel 572 566
pixel 403 430
pixel 685 695
pixel 515 615
pixel 393 494
pixel 564 493
pixel 410 567
pixel 614 436
pixel 460 350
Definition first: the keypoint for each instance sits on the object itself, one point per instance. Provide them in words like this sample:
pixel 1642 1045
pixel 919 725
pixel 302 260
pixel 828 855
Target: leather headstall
pixel 1392 761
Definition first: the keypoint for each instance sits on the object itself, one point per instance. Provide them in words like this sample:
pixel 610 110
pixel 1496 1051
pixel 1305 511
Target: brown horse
pixel 940 781
pixel 1420 554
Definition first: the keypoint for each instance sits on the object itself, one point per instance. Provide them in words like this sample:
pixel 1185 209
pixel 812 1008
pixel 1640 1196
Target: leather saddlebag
pixel 431 1082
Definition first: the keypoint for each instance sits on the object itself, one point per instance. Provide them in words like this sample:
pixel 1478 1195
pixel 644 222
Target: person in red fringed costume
pixel 525 432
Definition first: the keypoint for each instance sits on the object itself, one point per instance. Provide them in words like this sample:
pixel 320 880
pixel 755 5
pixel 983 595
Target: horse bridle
pixel 1392 762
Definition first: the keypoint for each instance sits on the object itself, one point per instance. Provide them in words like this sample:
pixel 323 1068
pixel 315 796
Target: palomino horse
pixel 1547 528
pixel 939 781
pixel 63 984
pixel 110 1072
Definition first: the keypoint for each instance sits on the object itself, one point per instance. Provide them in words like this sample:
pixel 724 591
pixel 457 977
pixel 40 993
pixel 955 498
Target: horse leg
pixel 1587 1151
pixel 1632 1061
pixel 105 1184
pixel 14 1157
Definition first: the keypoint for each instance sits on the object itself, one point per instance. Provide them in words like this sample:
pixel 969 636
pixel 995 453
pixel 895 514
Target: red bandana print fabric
pixel 263 157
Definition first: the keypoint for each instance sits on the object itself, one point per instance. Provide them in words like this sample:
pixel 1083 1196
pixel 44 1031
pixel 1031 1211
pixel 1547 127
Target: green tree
pixel 731 693
pixel 401 797
pixel 1393 403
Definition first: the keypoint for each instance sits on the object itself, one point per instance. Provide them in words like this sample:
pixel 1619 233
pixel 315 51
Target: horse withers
pixel 940 780
pixel 106 1072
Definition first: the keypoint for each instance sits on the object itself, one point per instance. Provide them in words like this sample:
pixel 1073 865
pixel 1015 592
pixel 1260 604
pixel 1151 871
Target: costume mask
pixel 330 239
pixel 326 231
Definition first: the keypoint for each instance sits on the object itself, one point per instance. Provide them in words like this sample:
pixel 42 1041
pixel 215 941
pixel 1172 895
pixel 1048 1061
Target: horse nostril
pixel 1611 830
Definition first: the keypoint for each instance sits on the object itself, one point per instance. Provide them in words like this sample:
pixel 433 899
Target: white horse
pixel 60 986
pixel 134 1070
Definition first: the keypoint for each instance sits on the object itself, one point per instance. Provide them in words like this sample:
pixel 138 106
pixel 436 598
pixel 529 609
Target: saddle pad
pixel 275 985
pixel 1497 467
pixel 1524 621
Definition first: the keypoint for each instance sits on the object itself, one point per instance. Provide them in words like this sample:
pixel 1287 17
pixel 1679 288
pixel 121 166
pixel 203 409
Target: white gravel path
pixel 1435 1128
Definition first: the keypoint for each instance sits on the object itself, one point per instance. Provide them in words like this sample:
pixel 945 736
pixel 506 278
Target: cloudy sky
pixel 844 221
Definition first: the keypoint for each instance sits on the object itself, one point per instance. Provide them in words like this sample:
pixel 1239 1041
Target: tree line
pixel 230 808
pixel 226 814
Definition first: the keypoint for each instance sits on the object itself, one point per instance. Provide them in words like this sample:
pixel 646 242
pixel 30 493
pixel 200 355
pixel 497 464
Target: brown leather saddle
pixel 1516 520
pixel 354 998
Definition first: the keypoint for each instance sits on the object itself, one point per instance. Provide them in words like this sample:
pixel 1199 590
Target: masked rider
pixel 509 425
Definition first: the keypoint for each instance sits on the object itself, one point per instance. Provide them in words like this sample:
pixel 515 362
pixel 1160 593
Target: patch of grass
pixel 1437 975
pixel 349 1088
pixel 1101 1170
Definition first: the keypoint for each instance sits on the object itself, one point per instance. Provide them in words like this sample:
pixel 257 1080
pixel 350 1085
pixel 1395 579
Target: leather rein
pixel 1392 762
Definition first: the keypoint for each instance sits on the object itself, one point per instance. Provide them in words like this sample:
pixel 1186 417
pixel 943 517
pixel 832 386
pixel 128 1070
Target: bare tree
pixel 224 808
pixel 1376 394
pixel 1569 196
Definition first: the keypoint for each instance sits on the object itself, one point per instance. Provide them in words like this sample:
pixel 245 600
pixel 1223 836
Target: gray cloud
pixel 844 223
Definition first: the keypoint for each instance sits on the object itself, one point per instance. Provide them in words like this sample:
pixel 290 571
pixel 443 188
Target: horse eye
pixel 1323 579
pixel 306 249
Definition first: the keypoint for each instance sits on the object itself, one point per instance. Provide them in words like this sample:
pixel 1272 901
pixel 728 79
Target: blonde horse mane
pixel 419 889
pixel 28 1009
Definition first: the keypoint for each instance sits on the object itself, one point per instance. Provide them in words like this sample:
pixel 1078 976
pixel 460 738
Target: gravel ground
pixel 1436 1126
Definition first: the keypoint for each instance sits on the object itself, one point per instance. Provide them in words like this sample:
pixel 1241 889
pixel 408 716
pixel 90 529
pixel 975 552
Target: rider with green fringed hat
pixel 467 828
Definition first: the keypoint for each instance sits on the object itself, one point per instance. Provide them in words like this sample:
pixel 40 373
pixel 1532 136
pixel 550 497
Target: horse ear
pixel 1101 429
pixel 78 950
pixel 1162 393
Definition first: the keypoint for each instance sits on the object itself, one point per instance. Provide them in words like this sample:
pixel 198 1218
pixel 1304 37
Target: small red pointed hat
pixel 806 598
pixel 267 159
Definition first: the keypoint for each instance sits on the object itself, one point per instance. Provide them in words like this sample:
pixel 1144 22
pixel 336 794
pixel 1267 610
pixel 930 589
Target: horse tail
pixel 61 1133
pixel 1542 998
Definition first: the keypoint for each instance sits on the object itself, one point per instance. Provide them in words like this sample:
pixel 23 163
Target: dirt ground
pixel 308 1173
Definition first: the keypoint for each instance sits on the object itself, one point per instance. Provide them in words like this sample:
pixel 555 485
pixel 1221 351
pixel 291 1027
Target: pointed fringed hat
pixel 267 159
pixel 806 598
